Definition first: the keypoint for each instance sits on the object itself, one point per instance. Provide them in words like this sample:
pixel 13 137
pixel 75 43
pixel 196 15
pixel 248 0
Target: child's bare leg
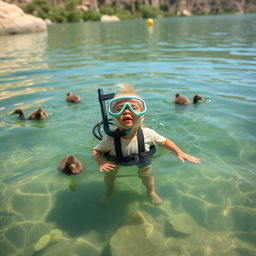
pixel 149 183
pixel 145 174
pixel 109 179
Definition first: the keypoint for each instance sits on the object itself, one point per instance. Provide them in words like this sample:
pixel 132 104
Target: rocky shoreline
pixel 14 21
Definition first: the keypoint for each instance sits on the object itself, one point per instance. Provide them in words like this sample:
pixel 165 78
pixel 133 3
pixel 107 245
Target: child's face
pixel 127 118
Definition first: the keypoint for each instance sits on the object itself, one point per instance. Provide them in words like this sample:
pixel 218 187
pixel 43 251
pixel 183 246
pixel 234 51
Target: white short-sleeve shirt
pixel 130 146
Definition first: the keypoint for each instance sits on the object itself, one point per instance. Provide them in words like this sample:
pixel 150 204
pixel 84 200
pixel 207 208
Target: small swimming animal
pixel 72 98
pixel 70 165
pixel 183 100
pixel 38 114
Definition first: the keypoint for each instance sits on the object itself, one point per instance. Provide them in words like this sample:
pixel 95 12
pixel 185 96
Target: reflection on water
pixel 29 49
pixel 208 209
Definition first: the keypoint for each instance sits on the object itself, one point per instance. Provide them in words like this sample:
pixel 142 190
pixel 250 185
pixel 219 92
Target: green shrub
pixel 29 8
pixel 107 9
pixel 164 7
pixel 169 14
pixel 90 15
pixel 215 10
pixel 71 4
pixel 74 16
pixel 41 2
pixel 58 14
pixel 148 12
pixel 124 14
pixel 230 9
pixel 128 7
pixel 42 15
pixel 46 8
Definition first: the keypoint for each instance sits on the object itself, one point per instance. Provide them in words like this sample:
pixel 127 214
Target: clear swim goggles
pixel 118 105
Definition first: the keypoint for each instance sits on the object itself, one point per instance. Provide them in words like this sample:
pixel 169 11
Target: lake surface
pixel 208 209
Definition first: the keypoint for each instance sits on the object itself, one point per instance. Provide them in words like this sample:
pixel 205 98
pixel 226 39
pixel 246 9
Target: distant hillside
pixel 76 10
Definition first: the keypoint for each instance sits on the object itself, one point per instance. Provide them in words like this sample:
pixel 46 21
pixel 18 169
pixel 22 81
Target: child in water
pixel 127 110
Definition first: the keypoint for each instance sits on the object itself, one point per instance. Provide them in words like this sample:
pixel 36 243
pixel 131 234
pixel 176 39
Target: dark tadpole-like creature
pixel 70 165
pixel 183 100
pixel 72 98
pixel 38 114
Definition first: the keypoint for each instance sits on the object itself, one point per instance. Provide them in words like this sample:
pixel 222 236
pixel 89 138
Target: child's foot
pixel 104 200
pixel 155 198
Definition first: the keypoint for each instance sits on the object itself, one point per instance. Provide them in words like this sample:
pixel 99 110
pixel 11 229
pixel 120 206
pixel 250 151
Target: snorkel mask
pixel 118 105
pixel 135 104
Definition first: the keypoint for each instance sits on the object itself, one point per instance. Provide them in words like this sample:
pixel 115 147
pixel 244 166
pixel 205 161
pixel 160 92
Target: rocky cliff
pixel 216 6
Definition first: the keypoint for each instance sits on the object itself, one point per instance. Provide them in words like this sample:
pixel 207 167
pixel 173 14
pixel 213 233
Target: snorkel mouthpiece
pixel 127 131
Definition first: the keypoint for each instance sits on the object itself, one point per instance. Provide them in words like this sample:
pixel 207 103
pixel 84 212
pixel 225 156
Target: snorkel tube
pixel 105 121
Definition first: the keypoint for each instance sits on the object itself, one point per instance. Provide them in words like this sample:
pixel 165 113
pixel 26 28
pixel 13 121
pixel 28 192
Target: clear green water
pixel 208 209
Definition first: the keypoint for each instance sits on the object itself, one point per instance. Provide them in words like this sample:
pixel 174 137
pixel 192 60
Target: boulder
pixel 135 237
pixel 184 13
pixel 14 21
pixel 82 8
pixel 171 234
pixel 108 18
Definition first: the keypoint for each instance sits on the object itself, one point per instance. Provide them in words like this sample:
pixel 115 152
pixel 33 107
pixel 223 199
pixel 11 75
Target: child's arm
pixel 104 165
pixel 180 154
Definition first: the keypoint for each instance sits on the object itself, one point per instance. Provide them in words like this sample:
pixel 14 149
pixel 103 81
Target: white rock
pixel 108 18
pixel 14 21
pixel 48 22
pixel 184 13
pixel 82 8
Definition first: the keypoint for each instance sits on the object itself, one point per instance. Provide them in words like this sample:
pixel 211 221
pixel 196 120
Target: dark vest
pixel 141 157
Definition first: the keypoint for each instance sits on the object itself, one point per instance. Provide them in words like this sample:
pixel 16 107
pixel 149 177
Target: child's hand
pixel 107 166
pixel 183 156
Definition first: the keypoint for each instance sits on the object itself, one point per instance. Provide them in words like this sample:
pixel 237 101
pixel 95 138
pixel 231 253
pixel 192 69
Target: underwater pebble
pixel 42 242
pixel 56 234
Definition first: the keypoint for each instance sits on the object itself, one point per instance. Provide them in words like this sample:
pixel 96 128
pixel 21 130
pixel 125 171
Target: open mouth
pixel 127 118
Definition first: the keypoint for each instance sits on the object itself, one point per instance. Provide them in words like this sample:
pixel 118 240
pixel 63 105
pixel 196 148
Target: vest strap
pixel 135 158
